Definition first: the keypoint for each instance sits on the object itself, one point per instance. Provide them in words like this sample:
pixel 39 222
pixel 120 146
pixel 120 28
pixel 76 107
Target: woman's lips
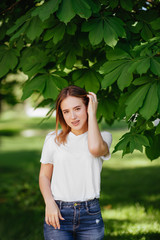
pixel 75 123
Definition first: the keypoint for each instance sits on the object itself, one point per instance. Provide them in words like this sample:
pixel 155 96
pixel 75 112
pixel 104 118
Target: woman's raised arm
pixel 97 146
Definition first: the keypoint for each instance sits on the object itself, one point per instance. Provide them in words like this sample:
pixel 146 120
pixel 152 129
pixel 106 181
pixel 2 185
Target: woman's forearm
pixel 45 187
pixel 52 212
pixel 96 145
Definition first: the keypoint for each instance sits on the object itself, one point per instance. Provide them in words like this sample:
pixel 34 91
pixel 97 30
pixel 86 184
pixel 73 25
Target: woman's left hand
pixel 93 104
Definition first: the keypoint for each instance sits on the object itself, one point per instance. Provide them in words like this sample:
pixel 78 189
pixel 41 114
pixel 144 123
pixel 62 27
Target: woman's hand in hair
pixel 93 104
pixel 52 214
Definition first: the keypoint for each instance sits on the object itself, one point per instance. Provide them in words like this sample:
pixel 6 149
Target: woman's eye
pixel 65 112
pixel 77 109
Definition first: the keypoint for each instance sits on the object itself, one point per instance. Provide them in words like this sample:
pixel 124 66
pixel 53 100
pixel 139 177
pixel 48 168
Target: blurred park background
pixel 130 196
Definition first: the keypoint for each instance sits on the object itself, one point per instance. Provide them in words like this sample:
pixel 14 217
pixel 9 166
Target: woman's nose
pixel 73 115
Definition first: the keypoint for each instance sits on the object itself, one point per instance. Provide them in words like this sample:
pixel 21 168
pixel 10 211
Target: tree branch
pixel 10 8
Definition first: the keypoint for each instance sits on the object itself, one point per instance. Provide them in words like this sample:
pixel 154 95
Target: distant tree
pixel 109 47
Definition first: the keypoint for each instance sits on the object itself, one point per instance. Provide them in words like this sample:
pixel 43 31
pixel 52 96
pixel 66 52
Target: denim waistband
pixel 79 203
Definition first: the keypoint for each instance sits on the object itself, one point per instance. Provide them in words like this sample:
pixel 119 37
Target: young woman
pixel 71 164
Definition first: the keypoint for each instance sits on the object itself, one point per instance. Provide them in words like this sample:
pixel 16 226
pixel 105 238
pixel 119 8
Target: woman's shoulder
pixel 51 136
pixel 53 133
pixel 107 136
pixel 106 133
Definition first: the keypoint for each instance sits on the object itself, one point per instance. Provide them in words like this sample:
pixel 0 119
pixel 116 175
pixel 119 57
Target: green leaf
pixel 21 31
pixel 109 66
pixel 71 59
pixel 114 3
pixel 35 28
pixel 111 77
pixel 8 59
pixel 45 10
pixel 20 44
pixel 146 32
pixel 110 36
pixel 4 70
pixel 125 78
pixel 135 27
pixel 19 22
pixel 116 53
pixel 153 152
pixel 135 100
pixel 131 141
pixel 31 60
pixel 3 29
pixel 123 144
pixel 117 25
pixel 65 12
pixel 143 66
pixel 95 5
pixel 151 102
pixel 51 90
pixel 35 84
pixel 108 28
pixel 157 129
pixel 155 66
pixel 142 139
pixel 156 24
pixel 106 108
pixel 56 33
pixel 86 78
pixel 120 111
pixel 142 80
pixel 96 34
pixel 59 31
pixel 82 8
pixel 134 64
pixel 158 89
pixel 90 25
pixel 71 28
pixel 126 5
pixel 49 23
pixel 132 146
pixel 77 74
pixel 59 81
pixel 48 34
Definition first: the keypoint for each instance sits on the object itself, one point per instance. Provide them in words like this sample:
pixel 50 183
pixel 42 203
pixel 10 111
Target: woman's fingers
pixel 53 215
pixel 90 97
pixel 54 220
pixel 93 96
pixel 47 220
pixel 60 216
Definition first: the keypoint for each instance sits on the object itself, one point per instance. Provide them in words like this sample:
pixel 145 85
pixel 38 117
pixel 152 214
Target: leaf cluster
pixel 109 47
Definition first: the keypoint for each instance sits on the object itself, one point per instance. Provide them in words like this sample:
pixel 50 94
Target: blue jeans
pixel 83 221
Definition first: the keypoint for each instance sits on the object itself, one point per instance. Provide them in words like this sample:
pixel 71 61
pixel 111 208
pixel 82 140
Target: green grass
pixel 130 190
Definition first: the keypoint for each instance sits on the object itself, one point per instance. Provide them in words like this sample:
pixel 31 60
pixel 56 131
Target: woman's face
pixel 75 114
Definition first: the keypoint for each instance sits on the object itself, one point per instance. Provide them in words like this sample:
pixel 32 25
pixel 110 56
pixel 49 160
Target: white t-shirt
pixel 76 173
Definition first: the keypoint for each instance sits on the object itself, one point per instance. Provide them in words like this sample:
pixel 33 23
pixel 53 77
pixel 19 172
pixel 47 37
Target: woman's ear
pixel 87 109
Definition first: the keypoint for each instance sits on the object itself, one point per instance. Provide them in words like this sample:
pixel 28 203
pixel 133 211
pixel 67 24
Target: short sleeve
pixel 47 155
pixel 107 137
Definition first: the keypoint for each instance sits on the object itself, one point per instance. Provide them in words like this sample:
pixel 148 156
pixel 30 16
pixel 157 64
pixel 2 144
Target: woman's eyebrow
pixel 77 106
pixel 73 108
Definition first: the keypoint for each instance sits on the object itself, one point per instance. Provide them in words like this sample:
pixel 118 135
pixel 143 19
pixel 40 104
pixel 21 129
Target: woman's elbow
pixel 98 151
pixel 95 151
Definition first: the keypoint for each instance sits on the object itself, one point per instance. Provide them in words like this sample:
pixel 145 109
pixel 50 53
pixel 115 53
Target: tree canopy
pixel 109 47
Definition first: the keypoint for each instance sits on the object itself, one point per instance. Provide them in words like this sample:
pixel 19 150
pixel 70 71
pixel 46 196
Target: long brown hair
pixel 73 91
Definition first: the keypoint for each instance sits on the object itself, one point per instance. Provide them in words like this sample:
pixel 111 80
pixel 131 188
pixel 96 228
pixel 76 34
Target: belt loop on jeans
pixel 60 204
pixel 86 202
